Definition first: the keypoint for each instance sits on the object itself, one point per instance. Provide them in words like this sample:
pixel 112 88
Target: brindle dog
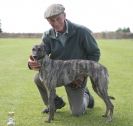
pixel 55 73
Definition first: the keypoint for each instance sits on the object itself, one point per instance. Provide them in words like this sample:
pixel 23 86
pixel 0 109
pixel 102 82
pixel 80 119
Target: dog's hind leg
pixel 109 106
pixel 101 91
pixel 109 109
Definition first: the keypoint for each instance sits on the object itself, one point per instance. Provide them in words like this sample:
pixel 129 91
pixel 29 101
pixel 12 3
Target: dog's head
pixel 38 52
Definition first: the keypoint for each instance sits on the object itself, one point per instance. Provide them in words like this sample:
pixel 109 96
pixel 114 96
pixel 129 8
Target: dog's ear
pixel 47 50
pixel 42 47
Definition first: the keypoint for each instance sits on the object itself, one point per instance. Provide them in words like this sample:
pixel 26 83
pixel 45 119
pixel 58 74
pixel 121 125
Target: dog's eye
pixel 39 49
pixel 33 49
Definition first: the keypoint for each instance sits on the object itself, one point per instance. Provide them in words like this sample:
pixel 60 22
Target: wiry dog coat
pixel 55 73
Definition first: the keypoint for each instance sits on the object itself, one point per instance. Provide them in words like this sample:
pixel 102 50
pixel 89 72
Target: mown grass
pixel 19 94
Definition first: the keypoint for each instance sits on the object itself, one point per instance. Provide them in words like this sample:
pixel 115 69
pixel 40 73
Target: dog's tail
pixel 111 97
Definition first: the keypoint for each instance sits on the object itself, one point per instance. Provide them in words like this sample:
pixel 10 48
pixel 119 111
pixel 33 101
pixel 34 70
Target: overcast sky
pixel 98 15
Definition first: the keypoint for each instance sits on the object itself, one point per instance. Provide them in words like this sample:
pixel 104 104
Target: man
pixel 65 41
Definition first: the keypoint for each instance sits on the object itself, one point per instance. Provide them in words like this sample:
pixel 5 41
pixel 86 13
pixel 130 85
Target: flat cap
pixel 53 10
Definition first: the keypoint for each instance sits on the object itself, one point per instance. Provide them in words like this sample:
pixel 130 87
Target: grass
pixel 19 94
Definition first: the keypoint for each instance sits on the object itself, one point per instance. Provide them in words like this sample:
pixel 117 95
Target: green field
pixel 18 92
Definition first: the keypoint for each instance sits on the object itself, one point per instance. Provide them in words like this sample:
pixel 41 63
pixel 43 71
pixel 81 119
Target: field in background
pixel 19 94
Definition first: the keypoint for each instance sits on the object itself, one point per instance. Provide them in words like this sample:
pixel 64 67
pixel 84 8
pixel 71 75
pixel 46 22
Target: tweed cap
pixel 53 10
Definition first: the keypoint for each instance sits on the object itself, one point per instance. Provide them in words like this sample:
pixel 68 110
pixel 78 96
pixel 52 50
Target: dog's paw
pixel 109 119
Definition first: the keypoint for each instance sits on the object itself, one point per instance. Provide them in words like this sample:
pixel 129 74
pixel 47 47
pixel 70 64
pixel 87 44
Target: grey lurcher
pixel 55 73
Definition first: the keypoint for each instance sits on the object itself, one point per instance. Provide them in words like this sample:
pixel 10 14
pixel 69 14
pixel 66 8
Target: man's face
pixel 58 22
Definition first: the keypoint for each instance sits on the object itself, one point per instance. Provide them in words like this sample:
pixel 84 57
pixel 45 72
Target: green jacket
pixel 80 44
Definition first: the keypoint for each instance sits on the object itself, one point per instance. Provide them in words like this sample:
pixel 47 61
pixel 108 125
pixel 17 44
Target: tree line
pixel 125 30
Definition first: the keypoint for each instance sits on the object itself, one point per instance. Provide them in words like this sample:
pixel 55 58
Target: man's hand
pixel 33 64
pixel 78 82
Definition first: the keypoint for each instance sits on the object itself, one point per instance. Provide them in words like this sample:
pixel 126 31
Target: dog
pixel 55 73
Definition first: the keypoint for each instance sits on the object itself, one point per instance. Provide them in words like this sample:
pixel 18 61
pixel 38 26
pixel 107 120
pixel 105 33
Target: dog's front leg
pixel 51 104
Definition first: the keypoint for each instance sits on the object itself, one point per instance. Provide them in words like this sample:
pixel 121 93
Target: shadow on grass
pixel 93 117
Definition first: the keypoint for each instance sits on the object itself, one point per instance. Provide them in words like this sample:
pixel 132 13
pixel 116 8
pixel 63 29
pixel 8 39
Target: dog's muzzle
pixel 35 57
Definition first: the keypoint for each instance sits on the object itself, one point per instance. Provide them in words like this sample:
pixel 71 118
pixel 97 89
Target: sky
pixel 27 16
